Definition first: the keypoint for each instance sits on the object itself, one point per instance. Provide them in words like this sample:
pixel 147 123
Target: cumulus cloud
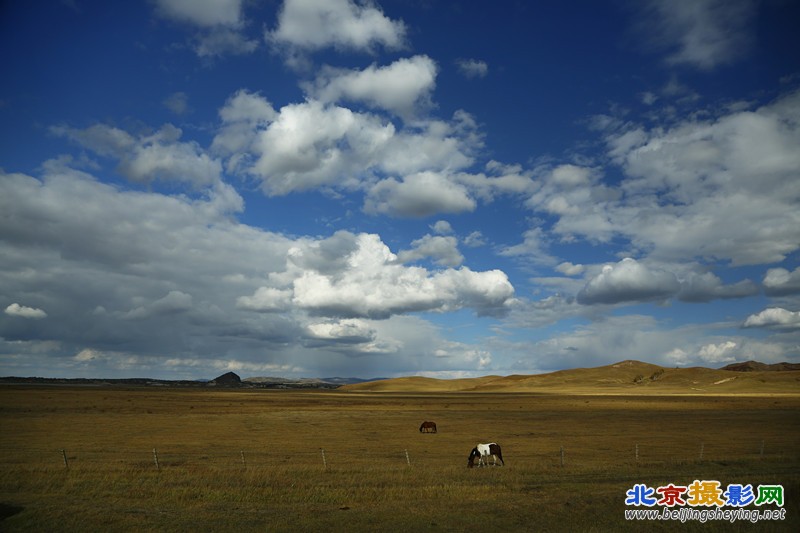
pixel 353 336
pixel 418 195
pixel 317 145
pixel 206 13
pixel 146 158
pixel 724 352
pixel 774 317
pixel 310 25
pixel 403 88
pixel 724 188
pixel 178 103
pixel 442 227
pixel 347 331
pixel 243 115
pixel 174 302
pixel 568 269
pixel 210 292
pixel 223 41
pixel 266 299
pixel 533 247
pixel 475 239
pixel 473 68
pixel 219 24
pixel 707 286
pixel 23 311
pixel 628 281
pixel 443 251
pixel 372 284
pixel 700 33
pixel 780 282
pixel 311 145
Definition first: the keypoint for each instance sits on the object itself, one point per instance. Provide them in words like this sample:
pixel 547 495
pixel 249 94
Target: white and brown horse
pixel 485 450
pixel 427 427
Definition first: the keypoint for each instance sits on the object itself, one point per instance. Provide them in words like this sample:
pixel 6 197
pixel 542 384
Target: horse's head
pixel 472 455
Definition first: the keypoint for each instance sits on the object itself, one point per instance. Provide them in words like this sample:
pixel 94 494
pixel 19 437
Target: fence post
pixel 324 462
pixel 64 455
pixel 407 459
pixel 244 464
pixel 155 458
pixel 562 457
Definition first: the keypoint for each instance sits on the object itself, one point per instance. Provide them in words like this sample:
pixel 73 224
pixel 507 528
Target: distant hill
pixel 625 377
pixel 755 366
pixel 304 382
pixel 229 379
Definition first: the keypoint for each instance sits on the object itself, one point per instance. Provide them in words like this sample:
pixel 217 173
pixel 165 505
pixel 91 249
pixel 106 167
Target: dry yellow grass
pixel 201 435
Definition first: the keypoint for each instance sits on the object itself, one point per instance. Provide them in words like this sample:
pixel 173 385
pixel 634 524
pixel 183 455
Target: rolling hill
pixel 625 377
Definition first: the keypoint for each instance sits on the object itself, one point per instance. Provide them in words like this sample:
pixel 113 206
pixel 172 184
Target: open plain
pixel 163 459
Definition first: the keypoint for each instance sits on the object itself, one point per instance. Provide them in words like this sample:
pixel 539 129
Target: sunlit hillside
pixel 626 377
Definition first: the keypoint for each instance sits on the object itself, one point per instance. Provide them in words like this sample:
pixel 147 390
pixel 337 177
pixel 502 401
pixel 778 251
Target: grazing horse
pixel 485 450
pixel 427 427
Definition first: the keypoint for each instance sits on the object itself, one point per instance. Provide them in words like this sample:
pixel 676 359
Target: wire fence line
pixel 640 452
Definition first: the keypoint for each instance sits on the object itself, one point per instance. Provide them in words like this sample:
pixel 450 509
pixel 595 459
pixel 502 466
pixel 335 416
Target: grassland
pixel 252 460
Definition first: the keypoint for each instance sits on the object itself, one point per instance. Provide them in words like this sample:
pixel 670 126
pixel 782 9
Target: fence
pixel 567 456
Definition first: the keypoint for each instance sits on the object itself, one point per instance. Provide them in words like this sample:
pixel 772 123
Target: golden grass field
pixel 251 460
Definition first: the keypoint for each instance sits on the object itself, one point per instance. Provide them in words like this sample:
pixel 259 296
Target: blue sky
pixel 450 189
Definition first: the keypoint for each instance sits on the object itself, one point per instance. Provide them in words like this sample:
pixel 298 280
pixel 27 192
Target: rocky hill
pixel 755 366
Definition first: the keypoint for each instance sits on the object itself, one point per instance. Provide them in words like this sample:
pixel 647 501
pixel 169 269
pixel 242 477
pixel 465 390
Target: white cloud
pixel 314 145
pixel 700 33
pixel 774 317
pixel 182 282
pixel 533 247
pixel 723 352
pixel 568 269
pixel 160 156
pixel 628 281
pixel 223 41
pixel 779 281
pixel 243 116
pixel 443 250
pixel 219 25
pixel 352 336
pixel 23 311
pixel 172 303
pixel 707 286
pixel 418 195
pixel 315 24
pixel 206 13
pixel 442 227
pixel 575 195
pixel 403 88
pixel 719 189
pixel 178 103
pixel 373 284
pixel 311 145
pixel 266 299
pixel 475 239
pixel 348 331
pixel 473 68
